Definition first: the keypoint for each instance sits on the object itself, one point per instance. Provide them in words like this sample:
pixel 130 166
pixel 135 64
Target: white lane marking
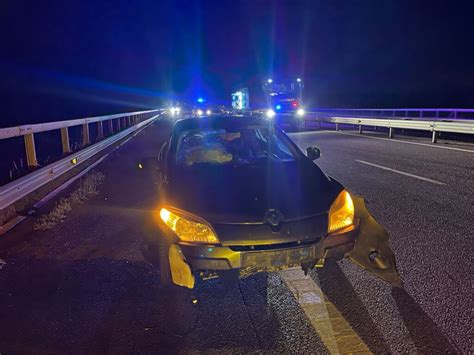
pixel 334 331
pixel 400 172
pixel 304 289
pixel 400 141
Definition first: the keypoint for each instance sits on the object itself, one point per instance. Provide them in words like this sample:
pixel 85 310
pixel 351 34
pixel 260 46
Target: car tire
pixel 178 303
pixel 164 264
pixel 154 249
pixel 180 309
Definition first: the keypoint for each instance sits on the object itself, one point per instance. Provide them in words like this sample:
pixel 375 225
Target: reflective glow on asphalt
pixel 335 332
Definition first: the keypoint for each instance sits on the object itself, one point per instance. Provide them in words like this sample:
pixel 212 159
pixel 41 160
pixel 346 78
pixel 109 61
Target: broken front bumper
pixel 367 246
pixel 249 260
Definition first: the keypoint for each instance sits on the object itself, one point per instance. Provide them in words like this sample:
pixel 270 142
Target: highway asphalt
pixel 84 287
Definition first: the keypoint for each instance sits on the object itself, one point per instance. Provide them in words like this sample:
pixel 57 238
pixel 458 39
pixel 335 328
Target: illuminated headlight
pixel 270 113
pixel 188 228
pixel 208 112
pixel 175 110
pixel 300 112
pixel 341 213
pixel 199 112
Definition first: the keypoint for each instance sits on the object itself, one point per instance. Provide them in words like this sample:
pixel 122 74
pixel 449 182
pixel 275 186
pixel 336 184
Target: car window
pixel 237 147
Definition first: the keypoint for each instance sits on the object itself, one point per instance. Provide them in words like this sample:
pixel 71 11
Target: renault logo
pixel 273 218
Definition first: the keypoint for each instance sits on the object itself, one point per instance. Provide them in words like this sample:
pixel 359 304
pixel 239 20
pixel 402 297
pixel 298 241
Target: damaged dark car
pixel 236 196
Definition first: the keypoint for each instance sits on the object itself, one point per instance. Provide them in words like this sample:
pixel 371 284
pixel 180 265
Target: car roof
pixel 218 121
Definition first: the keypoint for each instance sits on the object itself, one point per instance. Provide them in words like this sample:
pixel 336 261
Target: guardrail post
pixel 390 132
pixel 85 134
pixel 111 126
pixel 30 150
pixel 118 124
pixel 337 126
pixel 360 129
pixel 100 130
pixel 65 140
pixel 434 137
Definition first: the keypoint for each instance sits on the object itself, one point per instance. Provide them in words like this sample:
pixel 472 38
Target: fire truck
pixel 284 100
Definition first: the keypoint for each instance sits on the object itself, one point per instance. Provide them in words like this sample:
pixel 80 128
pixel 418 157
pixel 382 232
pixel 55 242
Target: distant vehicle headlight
pixel 300 112
pixel 188 230
pixel 208 112
pixel 341 213
pixel 270 113
pixel 199 112
pixel 175 110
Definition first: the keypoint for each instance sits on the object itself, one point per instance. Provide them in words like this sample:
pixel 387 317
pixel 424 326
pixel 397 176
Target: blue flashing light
pixel 200 100
pixel 278 107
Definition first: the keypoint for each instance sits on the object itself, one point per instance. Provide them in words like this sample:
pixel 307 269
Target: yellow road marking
pixel 334 331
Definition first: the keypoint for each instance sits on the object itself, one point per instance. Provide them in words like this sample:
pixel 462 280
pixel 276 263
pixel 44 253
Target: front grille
pixel 278 258
pixel 273 246
pixel 307 229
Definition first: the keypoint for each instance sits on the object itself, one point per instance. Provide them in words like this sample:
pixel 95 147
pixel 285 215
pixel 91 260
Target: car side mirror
pixel 313 153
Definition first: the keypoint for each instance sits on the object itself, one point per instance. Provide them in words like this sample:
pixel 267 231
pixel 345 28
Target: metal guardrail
pixel 17 189
pixel 460 126
pixel 115 122
pixel 428 113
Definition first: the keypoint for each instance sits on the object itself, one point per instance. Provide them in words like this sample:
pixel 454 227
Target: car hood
pixel 245 194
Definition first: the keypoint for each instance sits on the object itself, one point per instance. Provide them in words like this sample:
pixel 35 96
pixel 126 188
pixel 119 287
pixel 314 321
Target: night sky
pixel 68 59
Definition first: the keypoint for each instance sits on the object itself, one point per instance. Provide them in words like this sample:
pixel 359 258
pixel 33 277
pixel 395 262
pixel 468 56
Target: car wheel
pixel 154 249
pixel 179 304
pixel 180 309
pixel 164 264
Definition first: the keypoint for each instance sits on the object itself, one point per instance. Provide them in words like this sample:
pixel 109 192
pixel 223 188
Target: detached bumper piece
pixel 372 250
pixel 367 246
